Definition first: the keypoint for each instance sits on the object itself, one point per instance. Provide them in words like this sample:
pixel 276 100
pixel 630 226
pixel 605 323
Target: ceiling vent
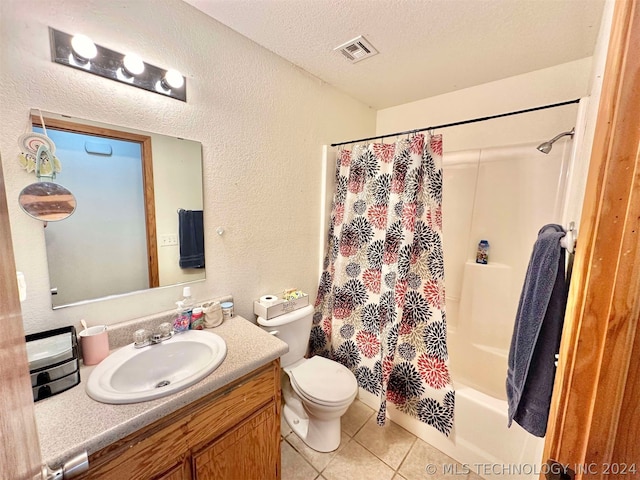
pixel 357 49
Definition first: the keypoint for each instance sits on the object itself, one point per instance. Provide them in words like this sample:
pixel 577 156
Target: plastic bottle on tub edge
pixel 482 255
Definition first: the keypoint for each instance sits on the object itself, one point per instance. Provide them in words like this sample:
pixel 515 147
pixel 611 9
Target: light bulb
pixel 173 79
pixel 133 64
pixel 83 48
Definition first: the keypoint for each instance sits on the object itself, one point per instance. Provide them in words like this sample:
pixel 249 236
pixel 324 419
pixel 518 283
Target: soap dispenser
pixel 182 319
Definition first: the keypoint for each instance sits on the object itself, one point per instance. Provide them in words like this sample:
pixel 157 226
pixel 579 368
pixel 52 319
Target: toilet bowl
pixel 325 390
pixel 316 391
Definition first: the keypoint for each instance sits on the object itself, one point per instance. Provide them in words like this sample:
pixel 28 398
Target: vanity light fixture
pixel 132 65
pixel 83 48
pixel 78 51
pixel 173 79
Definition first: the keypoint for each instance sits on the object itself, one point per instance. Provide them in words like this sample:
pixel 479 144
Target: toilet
pixel 316 391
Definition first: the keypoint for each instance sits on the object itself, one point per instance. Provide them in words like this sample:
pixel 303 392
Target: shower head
pixel 546 146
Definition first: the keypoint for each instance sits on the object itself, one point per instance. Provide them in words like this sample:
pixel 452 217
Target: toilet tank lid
pixel 286 317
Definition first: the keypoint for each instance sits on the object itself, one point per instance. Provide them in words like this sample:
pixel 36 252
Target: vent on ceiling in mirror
pixel 357 49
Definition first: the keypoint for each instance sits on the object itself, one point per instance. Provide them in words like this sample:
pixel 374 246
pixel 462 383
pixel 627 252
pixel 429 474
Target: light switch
pixel 168 240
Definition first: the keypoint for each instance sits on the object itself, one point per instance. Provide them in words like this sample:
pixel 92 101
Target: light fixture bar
pixel 110 64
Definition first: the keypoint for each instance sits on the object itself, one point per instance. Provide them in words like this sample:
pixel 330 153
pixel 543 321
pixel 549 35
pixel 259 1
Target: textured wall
pixel 566 81
pixel 262 123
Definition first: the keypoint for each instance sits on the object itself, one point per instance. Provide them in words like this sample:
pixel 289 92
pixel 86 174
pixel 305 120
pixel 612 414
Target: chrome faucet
pixel 142 337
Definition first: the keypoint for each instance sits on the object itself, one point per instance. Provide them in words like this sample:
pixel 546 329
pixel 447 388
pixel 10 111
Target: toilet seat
pixel 323 381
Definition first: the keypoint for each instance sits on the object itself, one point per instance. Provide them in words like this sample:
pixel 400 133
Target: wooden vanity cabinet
pixel 233 433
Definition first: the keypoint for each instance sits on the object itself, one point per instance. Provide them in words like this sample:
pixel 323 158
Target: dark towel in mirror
pixel 191 234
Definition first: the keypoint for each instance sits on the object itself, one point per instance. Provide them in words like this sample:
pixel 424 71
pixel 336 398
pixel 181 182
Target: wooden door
pixel 19 449
pixel 594 422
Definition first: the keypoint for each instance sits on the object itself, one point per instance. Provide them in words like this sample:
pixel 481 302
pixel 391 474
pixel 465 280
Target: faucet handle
pixel 165 330
pixel 140 338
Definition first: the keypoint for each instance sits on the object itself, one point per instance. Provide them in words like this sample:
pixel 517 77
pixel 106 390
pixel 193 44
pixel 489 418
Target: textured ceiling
pixel 427 47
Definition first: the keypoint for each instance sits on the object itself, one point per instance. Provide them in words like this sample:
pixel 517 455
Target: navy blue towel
pixel 537 332
pixel 191 234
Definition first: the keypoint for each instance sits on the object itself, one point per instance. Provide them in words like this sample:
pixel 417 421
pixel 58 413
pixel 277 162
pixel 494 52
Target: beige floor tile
pixel 355 418
pixel 318 460
pixel 354 462
pixel 397 476
pixel 474 476
pixel 294 466
pixel 320 477
pixel 390 443
pixel 425 461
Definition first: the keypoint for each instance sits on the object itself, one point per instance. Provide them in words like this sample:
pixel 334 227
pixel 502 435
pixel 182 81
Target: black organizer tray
pixel 53 361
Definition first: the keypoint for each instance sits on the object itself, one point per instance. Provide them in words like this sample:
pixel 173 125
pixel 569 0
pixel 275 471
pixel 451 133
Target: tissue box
pixel 280 307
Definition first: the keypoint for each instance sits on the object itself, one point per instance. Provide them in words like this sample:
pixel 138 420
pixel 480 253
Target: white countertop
pixel 71 422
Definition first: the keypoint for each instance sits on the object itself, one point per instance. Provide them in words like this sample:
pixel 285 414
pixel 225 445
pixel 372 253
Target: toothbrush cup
pixel 95 344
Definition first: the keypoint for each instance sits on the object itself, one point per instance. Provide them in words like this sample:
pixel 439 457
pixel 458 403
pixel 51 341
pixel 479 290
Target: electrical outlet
pixel 168 240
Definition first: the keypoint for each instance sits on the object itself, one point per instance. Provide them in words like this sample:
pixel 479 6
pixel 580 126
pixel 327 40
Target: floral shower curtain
pixel 380 309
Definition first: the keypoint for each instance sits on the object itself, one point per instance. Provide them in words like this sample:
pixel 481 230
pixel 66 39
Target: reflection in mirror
pixel 44 200
pixel 124 234
pixel 47 201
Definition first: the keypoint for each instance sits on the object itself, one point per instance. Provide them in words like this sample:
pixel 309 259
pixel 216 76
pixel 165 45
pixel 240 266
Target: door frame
pixel 594 420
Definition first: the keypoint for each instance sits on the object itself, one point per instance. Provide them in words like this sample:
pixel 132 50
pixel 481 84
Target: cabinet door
pixel 182 471
pixel 248 451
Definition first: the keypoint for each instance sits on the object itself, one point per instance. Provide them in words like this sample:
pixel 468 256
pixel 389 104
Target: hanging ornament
pixel 29 143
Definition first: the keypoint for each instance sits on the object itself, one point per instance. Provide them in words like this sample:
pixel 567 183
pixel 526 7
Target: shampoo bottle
pixel 482 255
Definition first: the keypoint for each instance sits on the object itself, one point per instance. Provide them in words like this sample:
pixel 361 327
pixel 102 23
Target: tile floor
pixel 367 452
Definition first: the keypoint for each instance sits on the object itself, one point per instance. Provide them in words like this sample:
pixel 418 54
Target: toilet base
pixel 320 435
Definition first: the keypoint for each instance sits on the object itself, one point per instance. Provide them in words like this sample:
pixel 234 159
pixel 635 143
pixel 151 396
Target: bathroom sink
pixel 131 375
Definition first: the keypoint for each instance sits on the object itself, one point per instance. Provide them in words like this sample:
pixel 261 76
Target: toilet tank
pixel 293 328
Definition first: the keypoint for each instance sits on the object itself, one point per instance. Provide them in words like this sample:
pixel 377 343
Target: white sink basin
pixel 131 375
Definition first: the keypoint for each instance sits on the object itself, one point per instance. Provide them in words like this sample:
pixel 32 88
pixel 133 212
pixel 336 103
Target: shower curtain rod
pixel 463 122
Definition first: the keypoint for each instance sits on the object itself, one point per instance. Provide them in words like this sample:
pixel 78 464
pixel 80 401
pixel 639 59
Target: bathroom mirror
pixel 129 186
